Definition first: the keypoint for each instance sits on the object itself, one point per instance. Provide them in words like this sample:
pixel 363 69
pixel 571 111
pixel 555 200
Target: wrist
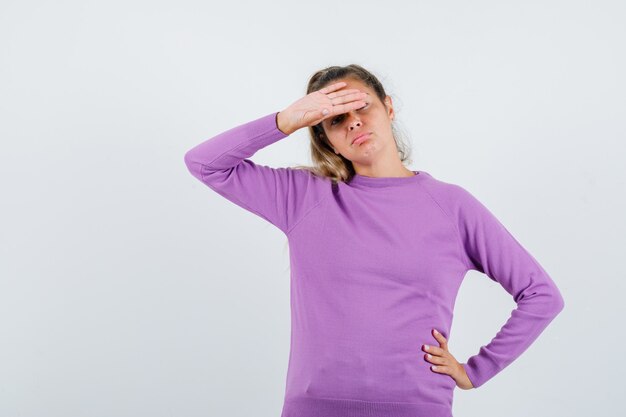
pixel 281 125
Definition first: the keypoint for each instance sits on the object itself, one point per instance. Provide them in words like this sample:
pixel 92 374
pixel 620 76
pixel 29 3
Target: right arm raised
pixel 282 196
pixel 279 195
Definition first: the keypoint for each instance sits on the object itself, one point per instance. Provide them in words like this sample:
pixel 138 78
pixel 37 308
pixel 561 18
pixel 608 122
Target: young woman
pixel 378 253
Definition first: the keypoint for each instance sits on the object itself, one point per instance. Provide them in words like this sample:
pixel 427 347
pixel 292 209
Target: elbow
pixel 554 299
pixel 207 172
pixel 193 164
pixel 189 159
pixel 553 303
pixel 558 303
pixel 544 300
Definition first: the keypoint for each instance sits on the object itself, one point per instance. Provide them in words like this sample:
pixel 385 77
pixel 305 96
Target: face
pixel 374 118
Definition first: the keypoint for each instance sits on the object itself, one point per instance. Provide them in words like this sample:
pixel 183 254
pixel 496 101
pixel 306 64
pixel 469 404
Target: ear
pixel 389 104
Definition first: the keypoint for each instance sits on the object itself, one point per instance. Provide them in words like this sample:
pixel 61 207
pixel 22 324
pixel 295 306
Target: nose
pixel 354 123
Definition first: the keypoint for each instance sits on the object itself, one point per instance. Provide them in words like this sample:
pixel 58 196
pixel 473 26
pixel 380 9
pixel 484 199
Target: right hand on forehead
pixel 319 105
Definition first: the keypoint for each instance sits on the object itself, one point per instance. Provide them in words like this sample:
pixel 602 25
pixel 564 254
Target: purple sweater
pixel 376 264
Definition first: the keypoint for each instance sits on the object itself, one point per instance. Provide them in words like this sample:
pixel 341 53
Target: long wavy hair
pixel 326 162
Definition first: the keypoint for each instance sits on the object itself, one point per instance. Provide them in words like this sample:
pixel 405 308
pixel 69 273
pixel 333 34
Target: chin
pixel 366 153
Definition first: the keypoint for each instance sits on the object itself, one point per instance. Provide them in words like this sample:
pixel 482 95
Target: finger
pixel 441 369
pixel 347 102
pixel 342 93
pixel 348 98
pixel 345 108
pixel 437 360
pixel 440 338
pixel 344 101
pixel 332 87
pixel 434 350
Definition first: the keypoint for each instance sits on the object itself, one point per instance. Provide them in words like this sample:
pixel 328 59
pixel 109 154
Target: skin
pixel 444 363
pixel 377 156
pixel 347 108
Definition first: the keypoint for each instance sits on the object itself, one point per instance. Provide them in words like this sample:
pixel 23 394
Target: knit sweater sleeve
pixel 282 196
pixel 490 248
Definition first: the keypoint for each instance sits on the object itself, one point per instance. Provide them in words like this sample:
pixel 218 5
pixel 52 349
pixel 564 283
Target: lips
pixel 362 135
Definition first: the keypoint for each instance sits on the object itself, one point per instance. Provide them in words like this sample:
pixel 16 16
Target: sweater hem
pixel 330 407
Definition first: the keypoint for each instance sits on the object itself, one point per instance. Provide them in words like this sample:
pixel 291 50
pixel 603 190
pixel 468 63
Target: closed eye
pixel 332 123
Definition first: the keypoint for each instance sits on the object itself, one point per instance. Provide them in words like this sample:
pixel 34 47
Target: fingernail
pixel 435 330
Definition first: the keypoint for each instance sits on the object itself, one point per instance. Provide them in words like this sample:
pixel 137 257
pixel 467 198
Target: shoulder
pixel 448 194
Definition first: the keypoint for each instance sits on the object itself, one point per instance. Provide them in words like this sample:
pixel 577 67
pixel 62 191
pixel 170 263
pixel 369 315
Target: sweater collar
pixel 362 180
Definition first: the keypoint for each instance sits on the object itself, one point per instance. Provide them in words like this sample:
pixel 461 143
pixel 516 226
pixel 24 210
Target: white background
pixel 128 288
